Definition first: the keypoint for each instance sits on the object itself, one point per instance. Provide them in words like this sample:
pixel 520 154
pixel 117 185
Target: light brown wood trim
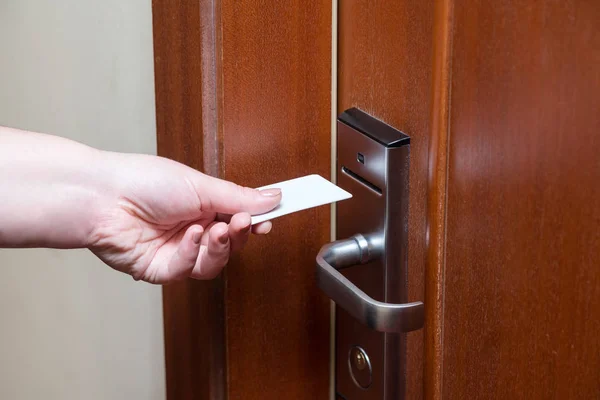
pixel 186 56
pixel 212 92
pixel 436 202
pixel 212 131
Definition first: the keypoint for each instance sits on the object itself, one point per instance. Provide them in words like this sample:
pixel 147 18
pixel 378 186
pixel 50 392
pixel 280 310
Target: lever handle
pixel 383 317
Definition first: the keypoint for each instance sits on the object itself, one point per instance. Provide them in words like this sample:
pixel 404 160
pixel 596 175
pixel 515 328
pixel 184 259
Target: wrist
pixel 101 188
pixel 79 188
pixel 50 190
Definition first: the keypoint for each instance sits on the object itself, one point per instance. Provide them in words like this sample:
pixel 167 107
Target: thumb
pixel 225 197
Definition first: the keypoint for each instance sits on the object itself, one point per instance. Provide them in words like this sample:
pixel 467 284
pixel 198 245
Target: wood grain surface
pixel 276 65
pixel 522 279
pixel 437 179
pixel 243 92
pixel 501 103
pixel 184 53
pixel 385 69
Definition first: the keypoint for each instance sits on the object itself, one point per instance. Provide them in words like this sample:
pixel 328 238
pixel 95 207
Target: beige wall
pixel 70 327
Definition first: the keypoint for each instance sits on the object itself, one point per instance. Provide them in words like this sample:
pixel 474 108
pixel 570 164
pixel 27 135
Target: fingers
pixel 203 253
pixel 214 254
pixel 239 230
pixel 263 228
pixel 184 259
pixel 226 197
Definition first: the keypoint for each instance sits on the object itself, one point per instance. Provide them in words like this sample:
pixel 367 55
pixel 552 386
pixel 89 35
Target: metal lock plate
pixel 366 275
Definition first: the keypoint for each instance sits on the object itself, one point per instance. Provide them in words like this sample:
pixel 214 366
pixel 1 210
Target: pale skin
pixel 150 217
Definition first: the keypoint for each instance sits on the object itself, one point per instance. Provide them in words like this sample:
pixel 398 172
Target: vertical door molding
pixel 187 80
pixel 436 199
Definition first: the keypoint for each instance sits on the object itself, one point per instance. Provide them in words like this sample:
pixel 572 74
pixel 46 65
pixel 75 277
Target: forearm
pixel 48 190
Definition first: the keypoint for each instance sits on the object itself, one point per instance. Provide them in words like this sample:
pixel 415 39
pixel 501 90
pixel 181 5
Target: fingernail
pixel 274 192
pixel 224 238
pixel 196 237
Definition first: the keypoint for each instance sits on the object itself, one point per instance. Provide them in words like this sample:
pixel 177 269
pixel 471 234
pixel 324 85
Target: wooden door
pixel 502 103
pixel 518 267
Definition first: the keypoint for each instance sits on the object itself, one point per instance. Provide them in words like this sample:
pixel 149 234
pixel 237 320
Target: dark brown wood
pixel 185 53
pixel 384 68
pixel 276 69
pixel 521 315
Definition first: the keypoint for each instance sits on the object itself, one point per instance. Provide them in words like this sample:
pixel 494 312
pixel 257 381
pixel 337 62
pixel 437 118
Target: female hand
pixel 164 221
pixel 147 216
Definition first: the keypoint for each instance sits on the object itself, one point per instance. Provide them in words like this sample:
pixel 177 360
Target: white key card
pixel 302 193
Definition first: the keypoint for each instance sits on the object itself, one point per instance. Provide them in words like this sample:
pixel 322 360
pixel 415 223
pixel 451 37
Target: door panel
pixel 276 106
pixel 521 315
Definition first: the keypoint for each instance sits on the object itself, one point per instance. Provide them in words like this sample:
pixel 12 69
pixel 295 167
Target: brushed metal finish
pixel 377 315
pixel 366 275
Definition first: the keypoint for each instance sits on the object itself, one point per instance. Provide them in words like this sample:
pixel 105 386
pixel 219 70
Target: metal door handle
pixel 383 317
